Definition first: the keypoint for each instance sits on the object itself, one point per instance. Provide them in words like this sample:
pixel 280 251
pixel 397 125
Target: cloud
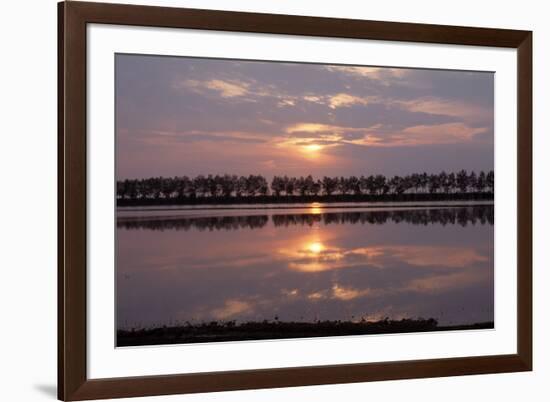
pixel 226 89
pixel 445 107
pixel 231 308
pixel 170 138
pixel 447 133
pixel 431 284
pixel 249 91
pixel 310 128
pixel 338 292
pixel 379 135
pixel 314 99
pixel 442 283
pixel 374 73
pixel 435 134
pixel 328 131
pixel 425 256
pixel 290 292
pixel 346 100
pixel 307 134
pixel 323 259
pixel 343 293
pixel 286 102
pixel 317 296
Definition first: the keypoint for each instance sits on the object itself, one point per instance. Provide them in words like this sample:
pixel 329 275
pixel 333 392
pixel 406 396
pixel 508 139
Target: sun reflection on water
pixel 315 247
pixel 315 208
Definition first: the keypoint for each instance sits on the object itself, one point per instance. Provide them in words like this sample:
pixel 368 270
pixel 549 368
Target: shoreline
pixel 250 331
pixel 293 199
pixel 337 206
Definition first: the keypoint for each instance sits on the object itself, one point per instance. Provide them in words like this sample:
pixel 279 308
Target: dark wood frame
pixel 73 383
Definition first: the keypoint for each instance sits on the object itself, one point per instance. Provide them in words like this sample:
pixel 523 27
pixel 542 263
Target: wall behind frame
pixel 28 155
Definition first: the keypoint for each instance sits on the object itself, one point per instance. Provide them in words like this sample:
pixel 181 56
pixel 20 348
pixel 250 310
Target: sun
pixel 315 247
pixel 312 148
pixel 312 151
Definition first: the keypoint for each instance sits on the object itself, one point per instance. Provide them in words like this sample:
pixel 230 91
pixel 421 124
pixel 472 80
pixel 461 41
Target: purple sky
pixel 180 116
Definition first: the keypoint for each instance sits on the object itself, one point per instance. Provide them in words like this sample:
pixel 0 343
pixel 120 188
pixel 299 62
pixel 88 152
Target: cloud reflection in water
pixel 338 266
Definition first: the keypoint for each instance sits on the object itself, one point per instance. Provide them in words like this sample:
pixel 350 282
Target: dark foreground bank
pixel 230 331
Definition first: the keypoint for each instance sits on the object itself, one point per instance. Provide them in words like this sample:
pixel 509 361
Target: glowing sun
pixel 315 247
pixel 312 148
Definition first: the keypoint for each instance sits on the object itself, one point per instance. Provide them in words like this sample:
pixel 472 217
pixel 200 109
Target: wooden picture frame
pixel 73 17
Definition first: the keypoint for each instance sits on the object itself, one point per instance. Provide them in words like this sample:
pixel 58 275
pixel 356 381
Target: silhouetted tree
pixel 330 185
pixel 490 181
pixel 277 185
pixel 462 181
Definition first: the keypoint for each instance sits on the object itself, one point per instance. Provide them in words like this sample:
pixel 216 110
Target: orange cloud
pixel 346 100
pixel 231 308
pixel 226 89
pixel 313 128
pixel 343 293
pixel 317 296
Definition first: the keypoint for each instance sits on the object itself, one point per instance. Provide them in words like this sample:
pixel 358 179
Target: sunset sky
pixel 180 116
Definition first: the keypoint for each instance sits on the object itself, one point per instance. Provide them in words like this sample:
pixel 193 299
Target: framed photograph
pixel 253 200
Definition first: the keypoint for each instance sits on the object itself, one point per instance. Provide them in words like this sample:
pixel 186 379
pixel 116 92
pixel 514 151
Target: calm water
pixel 304 263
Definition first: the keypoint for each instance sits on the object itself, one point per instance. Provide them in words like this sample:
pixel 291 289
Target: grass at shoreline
pixel 230 331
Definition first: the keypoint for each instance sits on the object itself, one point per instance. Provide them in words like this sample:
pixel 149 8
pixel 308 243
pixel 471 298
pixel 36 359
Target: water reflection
pixel 349 266
pixel 315 257
pixel 445 216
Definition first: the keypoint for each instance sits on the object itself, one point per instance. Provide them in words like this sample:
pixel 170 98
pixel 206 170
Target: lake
pixel 304 263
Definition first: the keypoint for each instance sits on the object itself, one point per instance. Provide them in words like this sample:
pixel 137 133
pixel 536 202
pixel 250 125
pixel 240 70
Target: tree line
pixel 233 186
